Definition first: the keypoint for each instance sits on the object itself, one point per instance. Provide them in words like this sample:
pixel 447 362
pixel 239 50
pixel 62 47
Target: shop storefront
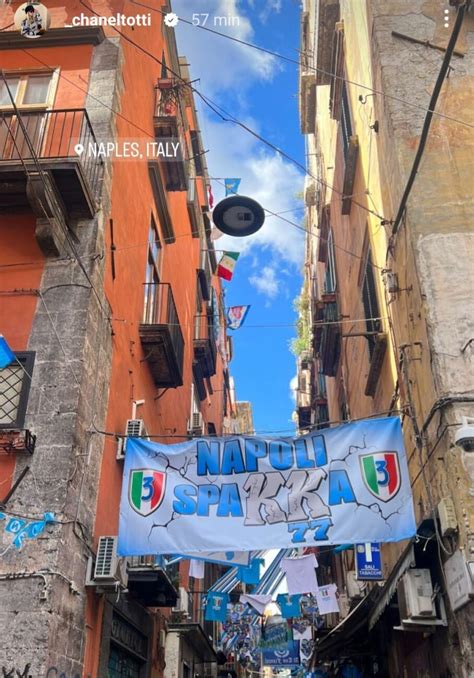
pixel 128 650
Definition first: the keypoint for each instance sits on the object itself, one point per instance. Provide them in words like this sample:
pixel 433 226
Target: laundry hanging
pixel 300 574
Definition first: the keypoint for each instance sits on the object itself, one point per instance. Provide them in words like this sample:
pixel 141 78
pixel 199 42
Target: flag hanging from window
pixel 231 186
pixel 236 316
pixel 226 265
pixel 211 196
pixel 6 354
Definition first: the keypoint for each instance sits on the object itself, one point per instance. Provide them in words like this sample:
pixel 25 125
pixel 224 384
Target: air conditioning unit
pixel 135 429
pixel 415 596
pixel 196 424
pixel 109 571
pixel 354 587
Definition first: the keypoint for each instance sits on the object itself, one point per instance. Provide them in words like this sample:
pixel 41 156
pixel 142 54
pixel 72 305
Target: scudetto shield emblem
pixel 381 474
pixel 146 490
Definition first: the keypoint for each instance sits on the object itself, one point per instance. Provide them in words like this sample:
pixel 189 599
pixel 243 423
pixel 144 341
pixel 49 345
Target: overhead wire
pixel 429 116
pixel 68 234
pixel 314 69
pixel 228 117
pixel 235 121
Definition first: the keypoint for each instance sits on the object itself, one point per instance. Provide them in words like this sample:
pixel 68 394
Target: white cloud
pixel 226 70
pixel 293 387
pixel 266 282
pixel 270 7
pixel 220 63
pixel 266 177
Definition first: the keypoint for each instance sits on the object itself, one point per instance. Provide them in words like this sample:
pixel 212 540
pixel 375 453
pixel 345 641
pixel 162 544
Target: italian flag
pixel 227 264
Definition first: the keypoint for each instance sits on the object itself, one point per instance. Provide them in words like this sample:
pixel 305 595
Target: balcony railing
pixel 205 350
pixel 149 583
pixel 204 273
pixel 161 336
pixel 52 138
pixel 327 337
pixel 168 124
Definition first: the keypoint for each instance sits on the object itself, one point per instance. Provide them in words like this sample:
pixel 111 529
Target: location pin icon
pixel 78 149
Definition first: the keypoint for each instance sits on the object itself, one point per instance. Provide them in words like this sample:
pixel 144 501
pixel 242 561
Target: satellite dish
pixel 238 215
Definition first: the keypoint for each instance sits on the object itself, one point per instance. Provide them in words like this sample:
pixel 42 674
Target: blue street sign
pixel 368 561
pixel 288 657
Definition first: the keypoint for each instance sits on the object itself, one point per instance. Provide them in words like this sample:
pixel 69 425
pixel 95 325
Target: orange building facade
pixel 109 299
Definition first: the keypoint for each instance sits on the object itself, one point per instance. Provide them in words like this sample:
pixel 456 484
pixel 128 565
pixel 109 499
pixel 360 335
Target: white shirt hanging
pixel 300 574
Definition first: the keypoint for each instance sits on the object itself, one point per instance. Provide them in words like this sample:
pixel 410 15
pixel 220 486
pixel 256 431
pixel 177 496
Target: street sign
pixel 368 562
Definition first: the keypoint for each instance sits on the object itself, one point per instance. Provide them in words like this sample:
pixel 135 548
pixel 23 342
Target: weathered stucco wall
pixel 432 255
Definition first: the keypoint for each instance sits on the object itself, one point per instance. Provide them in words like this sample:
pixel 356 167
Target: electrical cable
pixel 317 426
pixel 148 133
pixel 429 116
pixel 58 215
pixel 314 69
pixel 228 117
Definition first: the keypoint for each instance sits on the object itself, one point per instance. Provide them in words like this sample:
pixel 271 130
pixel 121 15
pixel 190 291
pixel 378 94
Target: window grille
pixel 15 382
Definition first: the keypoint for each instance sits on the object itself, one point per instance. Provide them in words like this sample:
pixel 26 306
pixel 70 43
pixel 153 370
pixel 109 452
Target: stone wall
pixel 42 613
pixel 432 256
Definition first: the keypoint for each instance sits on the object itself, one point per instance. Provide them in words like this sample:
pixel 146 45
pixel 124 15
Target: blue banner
pixel 347 484
pixel 368 562
pixel 231 186
pixel 286 657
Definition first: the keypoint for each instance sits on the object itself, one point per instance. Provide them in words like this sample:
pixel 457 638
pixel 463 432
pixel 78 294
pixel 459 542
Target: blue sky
pixel 261 91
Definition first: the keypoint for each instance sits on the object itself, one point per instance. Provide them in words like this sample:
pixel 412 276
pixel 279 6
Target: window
pixel 152 277
pixel 30 90
pixel 330 282
pixel 197 153
pixel 346 121
pixel 15 385
pixel 122 664
pixel 321 385
pixel 369 298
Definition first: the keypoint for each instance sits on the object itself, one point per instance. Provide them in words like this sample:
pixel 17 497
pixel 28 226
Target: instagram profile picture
pixel 32 19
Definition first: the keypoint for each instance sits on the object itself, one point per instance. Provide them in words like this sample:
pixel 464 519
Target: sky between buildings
pixel 262 92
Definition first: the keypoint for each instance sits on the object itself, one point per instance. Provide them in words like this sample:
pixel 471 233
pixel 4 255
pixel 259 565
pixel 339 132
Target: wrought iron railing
pixel 142 561
pixel 47 135
pixel 203 327
pixel 160 309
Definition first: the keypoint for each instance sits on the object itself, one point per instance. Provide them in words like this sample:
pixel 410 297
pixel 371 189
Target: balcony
pixel 327 337
pixel 49 137
pixel 304 417
pixel 161 336
pixel 205 350
pixel 194 210
pixel 204 275
pixel 376 362
pixel 168 125
pixel 149 583
pixel 321 415
pixel 351 153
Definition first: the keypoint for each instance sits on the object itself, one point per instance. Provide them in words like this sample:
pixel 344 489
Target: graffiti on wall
pixel 16 673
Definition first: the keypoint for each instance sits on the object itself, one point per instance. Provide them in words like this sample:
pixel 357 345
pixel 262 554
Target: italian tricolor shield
pixel 146 490
pixel 381 474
